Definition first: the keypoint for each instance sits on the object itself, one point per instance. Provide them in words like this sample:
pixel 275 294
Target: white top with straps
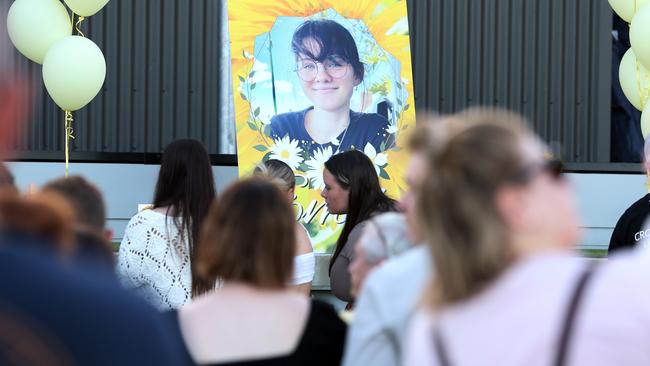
pixel 304 268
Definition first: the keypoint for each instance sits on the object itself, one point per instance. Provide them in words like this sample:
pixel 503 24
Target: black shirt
pixel 321 343
pixel 629 228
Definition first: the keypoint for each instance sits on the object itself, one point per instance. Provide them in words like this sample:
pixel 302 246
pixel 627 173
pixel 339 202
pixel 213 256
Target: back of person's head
pixel 93 240
pixel 461 207
pixel 248 237
pixel 430 132
pixel 185 186
pixel 85 198
pixel 278 172
pixel 385 236
pixel 44 215
pixel 355 172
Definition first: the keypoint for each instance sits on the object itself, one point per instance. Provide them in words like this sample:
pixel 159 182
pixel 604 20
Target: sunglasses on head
pixel 553 167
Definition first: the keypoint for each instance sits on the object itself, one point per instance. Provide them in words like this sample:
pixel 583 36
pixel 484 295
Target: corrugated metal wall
pixel 162 80
pixel 549 59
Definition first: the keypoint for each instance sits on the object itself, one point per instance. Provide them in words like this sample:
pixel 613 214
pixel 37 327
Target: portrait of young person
pixel 329 68
pixel 315 81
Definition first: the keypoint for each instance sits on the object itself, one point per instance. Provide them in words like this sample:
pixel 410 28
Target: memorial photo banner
pixel 302 66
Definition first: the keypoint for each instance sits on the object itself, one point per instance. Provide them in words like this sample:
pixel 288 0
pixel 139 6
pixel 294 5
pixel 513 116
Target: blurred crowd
pixel 474 265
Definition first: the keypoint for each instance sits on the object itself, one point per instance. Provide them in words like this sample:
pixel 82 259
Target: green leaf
pixel 241 78
pixel 300 181
pixel 252 126
pixel 266 157
pixel 383 174
pixel 399 86
pixel 260 148
pixel 251 74
pixel 382 147
pixel 397 149
pixel 303 167
pixel 241 94
pixel 253 85
pixel 406 107
pixel 256 112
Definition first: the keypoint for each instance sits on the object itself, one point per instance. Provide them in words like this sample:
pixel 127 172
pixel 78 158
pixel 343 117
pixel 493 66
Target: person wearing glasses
pixel 507 289
pixel 328 66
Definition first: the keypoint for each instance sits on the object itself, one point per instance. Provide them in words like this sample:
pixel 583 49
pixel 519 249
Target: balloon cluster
pixel 634 72
pixel 74 67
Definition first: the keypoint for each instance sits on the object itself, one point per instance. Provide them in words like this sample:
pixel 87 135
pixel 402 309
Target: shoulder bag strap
pixel 569 320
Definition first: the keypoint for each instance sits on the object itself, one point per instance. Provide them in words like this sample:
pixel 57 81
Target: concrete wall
pixel 602 198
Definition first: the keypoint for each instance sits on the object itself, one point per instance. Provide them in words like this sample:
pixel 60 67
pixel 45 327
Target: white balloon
pixel 634 79
pixel 626 8
pixel 640 35
pixel 73 72
pixel 35 25
pixel 86 8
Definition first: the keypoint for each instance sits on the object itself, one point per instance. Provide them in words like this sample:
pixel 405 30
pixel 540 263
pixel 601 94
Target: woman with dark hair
pixel 329 68
pixel 248 243
pixel 159 243
pixel 351 188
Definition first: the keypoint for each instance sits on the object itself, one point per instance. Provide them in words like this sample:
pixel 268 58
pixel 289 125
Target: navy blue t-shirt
pixel 363 128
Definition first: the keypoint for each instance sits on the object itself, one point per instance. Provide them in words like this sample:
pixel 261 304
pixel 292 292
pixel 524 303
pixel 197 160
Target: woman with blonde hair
pixel 304 262
pixel 501 221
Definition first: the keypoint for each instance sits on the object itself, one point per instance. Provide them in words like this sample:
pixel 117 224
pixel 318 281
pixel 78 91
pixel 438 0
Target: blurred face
pixel 328 84
pixel 415 174
pixel 544 208
pixel 336 197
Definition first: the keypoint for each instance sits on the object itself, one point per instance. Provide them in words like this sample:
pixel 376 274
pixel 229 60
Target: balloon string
pixel 78 24
pixel 69 134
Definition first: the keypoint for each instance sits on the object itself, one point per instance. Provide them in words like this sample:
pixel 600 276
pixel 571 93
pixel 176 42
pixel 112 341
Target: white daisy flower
pixel 316 165
pixel 379 160
pixel 287 150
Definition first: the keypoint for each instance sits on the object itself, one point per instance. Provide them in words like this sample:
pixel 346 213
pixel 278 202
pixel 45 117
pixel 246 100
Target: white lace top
pixel 155 262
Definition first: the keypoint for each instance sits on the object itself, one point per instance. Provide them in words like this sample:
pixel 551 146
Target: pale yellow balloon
pixel 645 122
pixel 634 79
pixel 627 8
pixel 35 25
pixel 640 35
pixel 87 8
pixel 73 72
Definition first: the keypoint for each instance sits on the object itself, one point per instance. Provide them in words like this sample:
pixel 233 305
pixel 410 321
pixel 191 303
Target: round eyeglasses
pixel 336 67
